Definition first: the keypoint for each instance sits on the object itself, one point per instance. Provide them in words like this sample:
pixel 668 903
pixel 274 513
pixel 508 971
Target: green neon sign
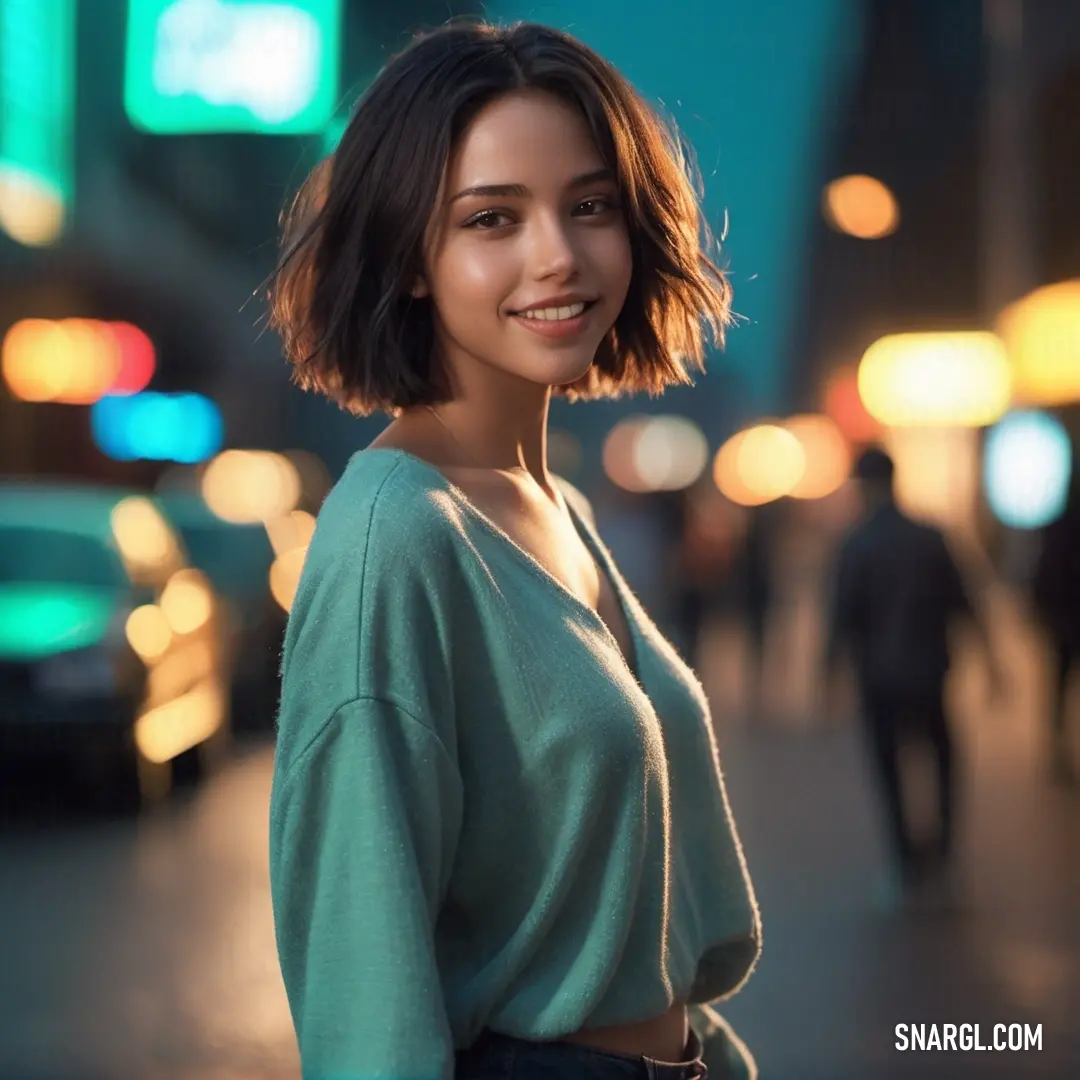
pixel 232 65
pixel 37 76
pixel 38 620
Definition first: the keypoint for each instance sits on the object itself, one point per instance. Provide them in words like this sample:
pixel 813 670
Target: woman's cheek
pixel 618 256
pixel 483 272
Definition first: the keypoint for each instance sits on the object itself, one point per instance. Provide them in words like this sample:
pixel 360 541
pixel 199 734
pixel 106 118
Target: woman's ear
pixel 420 288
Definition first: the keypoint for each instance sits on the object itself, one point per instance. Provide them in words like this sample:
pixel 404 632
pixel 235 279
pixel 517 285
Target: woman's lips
pixel 556 328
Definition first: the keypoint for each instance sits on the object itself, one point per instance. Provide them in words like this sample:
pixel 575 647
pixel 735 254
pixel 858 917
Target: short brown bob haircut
pixel 341 296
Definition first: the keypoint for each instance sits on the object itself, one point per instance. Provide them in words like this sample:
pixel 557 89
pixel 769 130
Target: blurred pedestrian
pixel 897 594
pixel 1056 596
pixel 499 831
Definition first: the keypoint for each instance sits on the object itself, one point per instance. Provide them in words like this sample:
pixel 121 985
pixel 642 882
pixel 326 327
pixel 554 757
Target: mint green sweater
pixel 481 815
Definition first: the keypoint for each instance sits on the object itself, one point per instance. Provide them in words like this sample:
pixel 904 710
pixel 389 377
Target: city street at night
pixel 146 949
pixel 440 414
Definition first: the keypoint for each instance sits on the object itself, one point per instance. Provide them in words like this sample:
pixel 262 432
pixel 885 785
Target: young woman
pixel 500 839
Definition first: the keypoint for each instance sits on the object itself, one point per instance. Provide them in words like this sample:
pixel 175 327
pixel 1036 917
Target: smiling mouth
pixel 556 314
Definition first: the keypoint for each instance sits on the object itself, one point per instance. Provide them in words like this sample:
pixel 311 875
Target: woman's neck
pixel 494 434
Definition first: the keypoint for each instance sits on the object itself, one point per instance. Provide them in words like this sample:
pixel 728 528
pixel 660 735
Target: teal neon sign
pixel 37 77
pixel 232 65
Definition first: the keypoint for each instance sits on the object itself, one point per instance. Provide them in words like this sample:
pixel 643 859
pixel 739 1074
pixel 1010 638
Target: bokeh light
pixel 148 632
pixel 655 453
pixel 39 619
pixel 250 486
pixel 937 474
pixel 290 531
pixel 137 358
pixel 185 427
pixel 70 361
pixel 670 453
pixel 169 729
pixel 75 361
pixel 861 206
pixel 285 576
pixel 1028 464
pixel 960 379
pixel 620 454
pixel 213 66
pixel 179 669
pixel 147 544
pixel 759 464
pixel 31 209
pixel 828 456
pixel 1042 334
pixel 843 405
pixel 315 479
pixel 186 601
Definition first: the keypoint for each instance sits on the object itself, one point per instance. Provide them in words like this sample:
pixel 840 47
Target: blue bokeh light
pixel 186 428
pixel 1027 469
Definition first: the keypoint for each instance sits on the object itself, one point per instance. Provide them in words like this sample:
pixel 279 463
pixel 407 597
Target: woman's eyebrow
pixel 520 191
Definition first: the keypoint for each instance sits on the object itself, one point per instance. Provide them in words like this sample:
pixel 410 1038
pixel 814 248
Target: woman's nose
pixel 553 250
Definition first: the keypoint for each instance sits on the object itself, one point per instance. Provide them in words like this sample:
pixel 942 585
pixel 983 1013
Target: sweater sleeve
pixel 363 830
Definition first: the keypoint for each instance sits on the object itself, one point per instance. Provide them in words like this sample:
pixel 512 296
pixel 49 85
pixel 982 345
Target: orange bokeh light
pixel 843 405
pixel 75 361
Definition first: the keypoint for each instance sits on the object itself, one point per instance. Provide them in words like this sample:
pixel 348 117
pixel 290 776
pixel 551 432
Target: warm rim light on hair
pixel 351 327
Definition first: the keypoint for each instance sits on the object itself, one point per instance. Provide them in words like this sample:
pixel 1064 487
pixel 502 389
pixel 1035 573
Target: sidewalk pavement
pixel 845 960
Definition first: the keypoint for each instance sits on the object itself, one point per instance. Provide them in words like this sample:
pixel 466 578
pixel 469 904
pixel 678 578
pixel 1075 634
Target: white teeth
pixel 552 314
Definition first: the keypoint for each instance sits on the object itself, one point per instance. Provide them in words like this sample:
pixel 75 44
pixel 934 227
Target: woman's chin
pixel 564 370
pixel 549 367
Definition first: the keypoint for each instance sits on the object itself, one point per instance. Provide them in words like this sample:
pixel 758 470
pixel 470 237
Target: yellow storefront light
pixel 947 379
pixel 1042 334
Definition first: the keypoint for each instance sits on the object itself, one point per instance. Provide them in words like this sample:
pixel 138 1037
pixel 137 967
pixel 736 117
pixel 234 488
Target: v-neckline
pixel 633 664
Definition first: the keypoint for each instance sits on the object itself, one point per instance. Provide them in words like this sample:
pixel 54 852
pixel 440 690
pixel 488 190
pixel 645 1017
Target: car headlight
pixel 80 672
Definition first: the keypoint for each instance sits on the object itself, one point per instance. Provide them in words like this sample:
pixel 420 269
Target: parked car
pixel 113 657
pixel 237 560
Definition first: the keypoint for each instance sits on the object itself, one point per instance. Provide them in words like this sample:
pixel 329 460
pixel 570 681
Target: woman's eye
pixel 597 206
pixel 487 219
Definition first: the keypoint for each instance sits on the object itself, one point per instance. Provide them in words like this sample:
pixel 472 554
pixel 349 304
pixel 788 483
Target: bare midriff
pixel 662 1038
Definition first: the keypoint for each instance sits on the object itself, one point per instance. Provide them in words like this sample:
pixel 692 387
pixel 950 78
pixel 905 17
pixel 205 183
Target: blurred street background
pixel 895 185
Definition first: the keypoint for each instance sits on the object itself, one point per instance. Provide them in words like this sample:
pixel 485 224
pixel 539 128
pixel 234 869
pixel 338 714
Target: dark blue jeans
pixel 503 1057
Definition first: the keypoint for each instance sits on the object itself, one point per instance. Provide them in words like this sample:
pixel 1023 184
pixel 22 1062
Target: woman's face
pixel 528 219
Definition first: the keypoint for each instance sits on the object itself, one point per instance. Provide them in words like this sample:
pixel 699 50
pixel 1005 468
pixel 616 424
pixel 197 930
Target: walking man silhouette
pixel 897 593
